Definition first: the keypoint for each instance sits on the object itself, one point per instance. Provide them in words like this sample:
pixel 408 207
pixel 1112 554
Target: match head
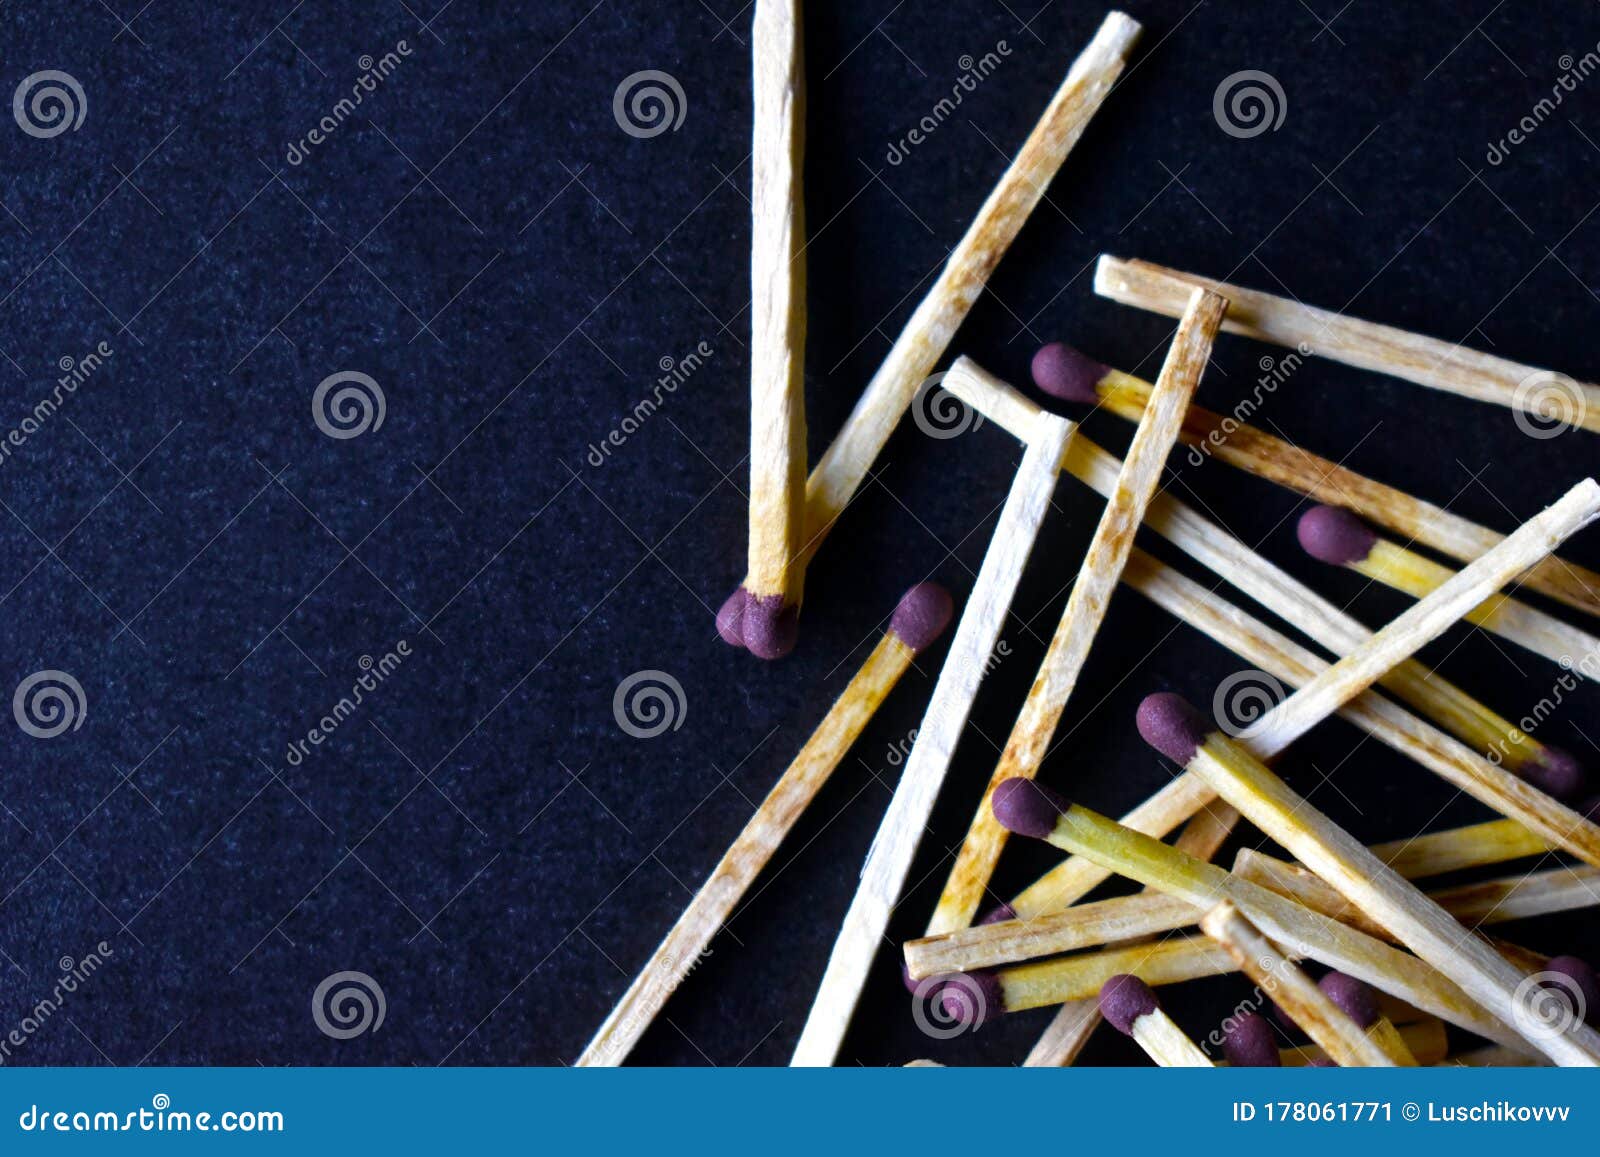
pixel 770 627
pixel 1063 372
pixel 1168 723
pixel 1124 999
pixel 1024 807
pixel 922 615
pixel 1584 982
pixel 998 915
pixel 1251 1043
pixel 1355 998
pixel 1332 534
pixel 1557 773
pixel 730 618
pixel 971 999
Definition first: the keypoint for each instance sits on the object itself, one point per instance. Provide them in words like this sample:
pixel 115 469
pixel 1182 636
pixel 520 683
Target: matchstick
pixel 1472 846
pixel 1250 1042
pixel 1424 361
pixel 895 845
pixel 1179 732
pixel 1133 1010
pixel 1425 1041
pixel 918 620
pixel 1333 535
pixel 1360 1002
pixel 1062 371
pixel 843 467
pixel 776 574
pixel 1027 808
pixel 1271 586
pixel 1086 605
pixel 1324 1021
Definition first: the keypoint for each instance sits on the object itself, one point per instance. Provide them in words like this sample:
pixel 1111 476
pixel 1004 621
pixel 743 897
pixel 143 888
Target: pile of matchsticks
pixel 1402 963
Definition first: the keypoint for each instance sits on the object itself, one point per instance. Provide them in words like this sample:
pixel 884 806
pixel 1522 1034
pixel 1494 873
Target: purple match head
pixel 1124 998
pixel 922 615
pixel 771 626
pixel 730 618
pixel 1355 998
pixel 1557 773
pixel 1024 807
pixel 1250 1042
pixel 1581 985
pixel 998 915
pixel 970 999
pixel 928 985
pixel 1063 372
pixel 1168 723
pixel 1332 534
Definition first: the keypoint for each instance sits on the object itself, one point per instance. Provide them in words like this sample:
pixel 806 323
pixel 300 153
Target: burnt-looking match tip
pixel 922 615
pixel 1024 807
pixel 1583 979
pixel 1066 373
pixel 1250 1042
pixel 1557 773
pixel 971 999
pixel 998 915
pixel 1170 725
pixel 1334 535
pixel 1355 998
pixel 770 626
pixel 1124 998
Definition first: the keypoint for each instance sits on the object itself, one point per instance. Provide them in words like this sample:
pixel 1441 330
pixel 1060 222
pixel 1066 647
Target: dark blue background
pixel 485 242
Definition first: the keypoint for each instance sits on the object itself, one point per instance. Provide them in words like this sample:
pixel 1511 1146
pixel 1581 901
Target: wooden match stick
pixel 1472 846
pixel 774 581
pixel 1333 535
pixel 895 845
pixel 1133 1010
pixel 1066 373
pixel 1345 1042
pixel 1271 586
pixel 1030 809
pixel 843 467
pixel 1086 606
pixel 919 619
pixel 1425 1040
pixel 1425 361
pixel 1179 732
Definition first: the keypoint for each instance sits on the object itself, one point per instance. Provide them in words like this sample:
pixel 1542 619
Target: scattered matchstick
pixel 1366 345
pixel 895 845
pixel 843 467
pixel 1426 1041
pixel 776 574
pixel 1250 1042
pixel 1179 732
pixel 1359 1001
pixel 1323 1020
pixel 1133 1010
pixel 919 619
pixel 1064 372
pixel 1333 535
pixel 1086 605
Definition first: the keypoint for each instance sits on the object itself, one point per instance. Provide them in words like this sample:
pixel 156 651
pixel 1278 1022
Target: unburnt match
pixel 1359 1001
pixel 895 845
pixel 1425 361
pixel 1064 372
pixel 1086 605
pixel 919 619
pixel 844 465
pixel 1174 728
pixel 1333 535
pixel 776 574
pixel 1133 1010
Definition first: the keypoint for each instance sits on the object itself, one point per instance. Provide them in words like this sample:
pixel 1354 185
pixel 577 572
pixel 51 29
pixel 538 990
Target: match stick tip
pixel 730 619
pixel 924 612
pixel 1169 724
pixel 1332 534
pixel 1067 373
pixel 1124 998
pixel 1250 1042
pixel 970 999
pixel 998 914
pixel 1355 998
pixel 1584 990
pixel 1027 808
pixel 1557 773
pixel 770 627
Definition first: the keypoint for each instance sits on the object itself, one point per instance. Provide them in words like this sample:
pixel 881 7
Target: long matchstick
pixel 1132 1008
